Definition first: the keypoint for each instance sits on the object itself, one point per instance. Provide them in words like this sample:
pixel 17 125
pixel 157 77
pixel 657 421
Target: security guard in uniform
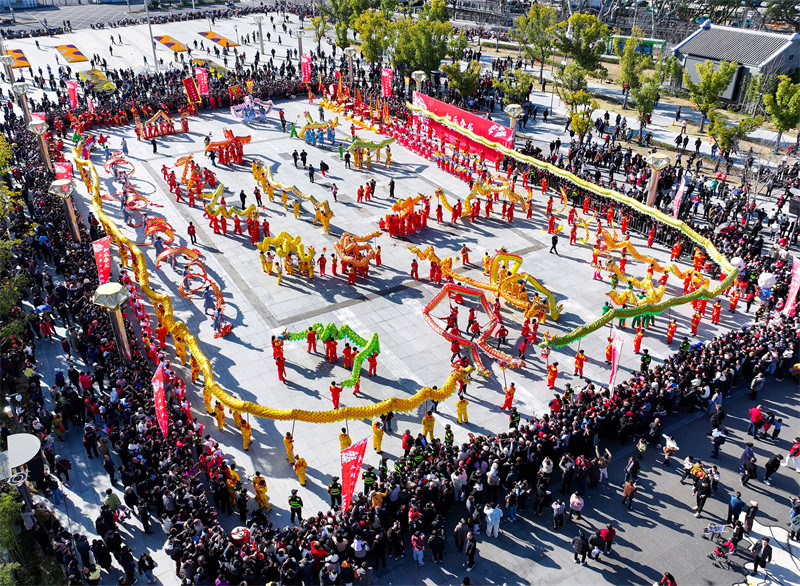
pixel 335 490
pixel 383 469
pixel 513 419
pixel 645 361
pixel 400 465
pixel 370 478
pixel 296 506
pixel 448 436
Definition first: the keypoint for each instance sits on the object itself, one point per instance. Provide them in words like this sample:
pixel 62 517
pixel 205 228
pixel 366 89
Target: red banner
pixel 794 288
pixel 72 88
pixel 90 104
pixel 102 256
pixel 617 342
pixel 306 68
pixel 63 170
pixel 466 120
pixel 386 81
pixel 233 92
pixel 202 81
pixel 38 117
pixel 160 400
pixel 351 466
pixel 191 90
pixel 676 205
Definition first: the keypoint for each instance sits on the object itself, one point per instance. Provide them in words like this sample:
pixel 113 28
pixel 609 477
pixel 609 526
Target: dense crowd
pixel 411 508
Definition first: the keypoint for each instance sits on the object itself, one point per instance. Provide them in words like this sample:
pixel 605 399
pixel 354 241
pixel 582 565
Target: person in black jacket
pixel 750 471
pixel 471 549
pixel 580 546
pixel 762 554
pixel 598 544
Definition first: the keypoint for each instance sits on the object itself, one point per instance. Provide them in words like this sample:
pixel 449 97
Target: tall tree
pixel 645 97
pixel 373 31
pixel 436 10
pixel 387 8
pixel 582 37
pixel 533 31
pixel 705 94
pixel 784 108
pixel 785 11
pixel 571 85
pixel 457 45
pixel 340 11
pixel 429 39
pixel 321 26
pixel 464 82
pixel 516 86
pixel 12 282
pixel 727 135
pixel 631 63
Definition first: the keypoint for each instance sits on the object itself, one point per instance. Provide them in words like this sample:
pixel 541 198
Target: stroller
pixel 720 555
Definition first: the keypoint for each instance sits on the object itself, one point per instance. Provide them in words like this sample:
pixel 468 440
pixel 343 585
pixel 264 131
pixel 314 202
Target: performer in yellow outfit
pixel 427 425
pixel 288 443
pixel 377 436
pixel 195 366
pixel 247 434
pixel 296 209
pixel 344 439
pixel 260 488
pixel 207 400
pixel 180 349
pixel 487 263
pixel 300 469
pixel 237 418
pixel 461 409
pixel 219 413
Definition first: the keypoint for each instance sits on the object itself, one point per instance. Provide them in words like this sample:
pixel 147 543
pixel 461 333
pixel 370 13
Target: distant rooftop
pixel 724 43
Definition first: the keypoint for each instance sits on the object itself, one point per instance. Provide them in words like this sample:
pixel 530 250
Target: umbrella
pixel 42 308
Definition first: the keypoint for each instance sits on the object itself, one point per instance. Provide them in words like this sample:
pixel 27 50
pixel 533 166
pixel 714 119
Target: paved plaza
pixel 660 534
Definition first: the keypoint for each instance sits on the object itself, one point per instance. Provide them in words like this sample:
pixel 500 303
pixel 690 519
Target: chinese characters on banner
pixel 102 256
pixel 63 170
pixel 160 399
pixel 466 120
pixel 676 205
pixel 351 466
pixel 386 81
pixel 617 342
pixel 306 68
pixel 72 88
pixel 233 92
pixel 38 117
pixel 794 287
pixel 191 89
pixel 202 81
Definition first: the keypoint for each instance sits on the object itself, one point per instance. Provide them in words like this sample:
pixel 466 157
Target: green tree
pixel 645 97
pixel 387 8
pixel 436 10
pixel 464 82
pixel 402 39
pixel 7 577
pixel 785 11
pixel 321 26
pixel 533 31
pixel 516 86
pixel 429 39
pixel 12 283
pixel 728 135
pixel 572 79
pixel 10 510
pixel 373 31
pixel 580 108
pixel 457 45
pixel 784 108
pixel 669 70
pixel 340 11
pixel 582 37
pixel 705 95
pixel 631 63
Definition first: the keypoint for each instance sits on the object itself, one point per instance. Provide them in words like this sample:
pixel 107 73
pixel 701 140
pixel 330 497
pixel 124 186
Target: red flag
pixel 63 170
pixel 202 81
pixel 794 287
pixel 160 400
pixel 306 68
pixel 351 466
pixel 72 89
pixel 102 256
pixel 233 92
pixel 191 90
pixel 616 351
pixel 386 81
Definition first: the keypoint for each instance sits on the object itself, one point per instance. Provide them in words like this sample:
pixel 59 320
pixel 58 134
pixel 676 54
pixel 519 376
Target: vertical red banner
pixel 102 256
pixel 202 81
pixel 63 170
pixel 72 89
pixel 90 104
pixel 191 89
pixel 352 458
pixel 794 288
pixel 160 400
pixel 617 341
pixel 386 81
pixel 306 68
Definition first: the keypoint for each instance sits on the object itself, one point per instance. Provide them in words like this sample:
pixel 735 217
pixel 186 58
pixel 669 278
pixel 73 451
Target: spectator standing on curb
pixel 471 549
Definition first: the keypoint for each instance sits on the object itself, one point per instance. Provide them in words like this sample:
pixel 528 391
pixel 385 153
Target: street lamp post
pixel 350 52
pixel 513 111
pixel 63 189
pixel 112 296
pixel 236 28
pixel 299 35
pixel 419 77
pixel 259 21
pixel 657 163
pixel 38 126
pixel 150 29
